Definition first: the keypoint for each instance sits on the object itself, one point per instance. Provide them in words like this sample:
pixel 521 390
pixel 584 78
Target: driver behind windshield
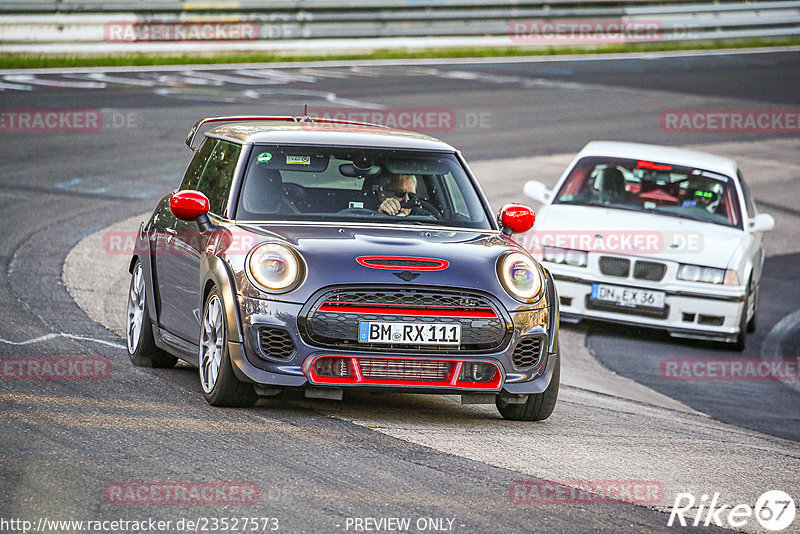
pixel 395 190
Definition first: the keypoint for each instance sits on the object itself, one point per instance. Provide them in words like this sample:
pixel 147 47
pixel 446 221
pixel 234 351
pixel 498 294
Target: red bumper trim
pixel 357 378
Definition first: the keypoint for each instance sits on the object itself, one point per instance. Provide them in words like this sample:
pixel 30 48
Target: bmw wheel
pixel 142 348
pixel 220 385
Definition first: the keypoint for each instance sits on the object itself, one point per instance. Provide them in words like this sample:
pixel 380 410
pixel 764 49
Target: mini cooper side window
pixel 211 172
pixel 198 163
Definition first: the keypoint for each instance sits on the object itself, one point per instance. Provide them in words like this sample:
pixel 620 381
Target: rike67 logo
pixel 774 510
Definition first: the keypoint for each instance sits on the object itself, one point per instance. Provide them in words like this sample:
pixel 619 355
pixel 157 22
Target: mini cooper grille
pixel 333 320
pixel 390 369
pixel 649 270
pixel 407 298
pixel 528 352
pixel 611 266
pixel 275 342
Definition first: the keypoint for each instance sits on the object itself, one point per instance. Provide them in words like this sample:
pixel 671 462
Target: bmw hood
pixel 632 233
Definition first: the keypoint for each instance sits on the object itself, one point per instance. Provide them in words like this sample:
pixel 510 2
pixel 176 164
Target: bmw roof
pixel 661 154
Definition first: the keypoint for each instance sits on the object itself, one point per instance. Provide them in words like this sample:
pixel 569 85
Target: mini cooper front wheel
pixel 538 406
pixel 142 347
pixel 220 385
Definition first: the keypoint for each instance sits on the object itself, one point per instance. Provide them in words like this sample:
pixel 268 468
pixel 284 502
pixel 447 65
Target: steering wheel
pixel 422 205
pixel 296 197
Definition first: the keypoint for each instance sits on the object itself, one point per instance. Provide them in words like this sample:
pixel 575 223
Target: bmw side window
pixel 217 176
pixel 748 198
pixel 198 163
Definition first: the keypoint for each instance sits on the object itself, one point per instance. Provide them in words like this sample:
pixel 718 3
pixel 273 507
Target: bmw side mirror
pixel 190 205
pixel 538 192
pixel 762 223
pixel 516 218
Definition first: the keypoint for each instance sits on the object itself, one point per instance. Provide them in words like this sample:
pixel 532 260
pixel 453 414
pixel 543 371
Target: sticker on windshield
pixel 264 157
pixel 566 198
pixel 298 160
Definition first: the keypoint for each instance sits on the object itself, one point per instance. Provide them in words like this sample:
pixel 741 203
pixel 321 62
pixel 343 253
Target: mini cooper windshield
pixel 647 186
pixel 309 183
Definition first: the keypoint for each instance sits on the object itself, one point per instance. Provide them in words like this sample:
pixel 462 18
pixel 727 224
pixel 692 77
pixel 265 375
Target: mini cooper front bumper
pixel 316 344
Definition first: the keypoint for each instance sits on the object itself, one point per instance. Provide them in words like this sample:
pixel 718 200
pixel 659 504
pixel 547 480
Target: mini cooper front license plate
pixel 409 333
pixel 629 297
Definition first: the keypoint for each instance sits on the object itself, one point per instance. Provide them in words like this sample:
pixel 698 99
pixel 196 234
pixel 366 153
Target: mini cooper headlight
pixel 274 267
pixel 696 273
pixel 520 276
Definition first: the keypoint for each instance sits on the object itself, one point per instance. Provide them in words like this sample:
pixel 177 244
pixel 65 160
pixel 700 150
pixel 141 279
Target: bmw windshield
pixel 651 187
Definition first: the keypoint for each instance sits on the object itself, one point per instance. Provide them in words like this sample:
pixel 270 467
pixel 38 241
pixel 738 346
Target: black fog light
pixel 335 367
pixel 477 372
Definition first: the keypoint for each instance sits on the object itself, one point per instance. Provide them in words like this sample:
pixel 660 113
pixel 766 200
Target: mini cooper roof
pixel 661 154
pixel 314 131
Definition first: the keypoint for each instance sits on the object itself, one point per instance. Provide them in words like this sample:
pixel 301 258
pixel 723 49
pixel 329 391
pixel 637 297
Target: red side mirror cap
pixel 516 218
pixel 188 205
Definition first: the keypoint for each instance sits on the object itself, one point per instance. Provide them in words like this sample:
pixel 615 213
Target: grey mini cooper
pixel 329 255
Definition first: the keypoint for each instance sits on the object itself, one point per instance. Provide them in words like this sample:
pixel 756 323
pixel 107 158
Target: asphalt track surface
pixel 317 465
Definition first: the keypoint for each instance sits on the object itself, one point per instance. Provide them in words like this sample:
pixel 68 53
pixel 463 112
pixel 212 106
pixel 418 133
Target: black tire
pixel 539 406
pixel 741 338
pixel 227 390
pixel 752 324
pixel 143 351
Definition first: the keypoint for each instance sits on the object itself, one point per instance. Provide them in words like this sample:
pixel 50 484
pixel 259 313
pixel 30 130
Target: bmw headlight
pixel 578 258
pixel 696 273
pixel 274 267
pixel 520 276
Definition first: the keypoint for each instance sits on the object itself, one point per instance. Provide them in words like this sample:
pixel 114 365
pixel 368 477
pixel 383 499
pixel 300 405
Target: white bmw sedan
pixel 653 236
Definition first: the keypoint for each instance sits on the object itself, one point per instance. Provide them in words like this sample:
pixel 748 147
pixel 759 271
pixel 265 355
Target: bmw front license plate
pixel 409 333
pixel 629 297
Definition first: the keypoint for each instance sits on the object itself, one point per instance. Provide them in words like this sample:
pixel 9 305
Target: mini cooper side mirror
pixel 190 205
pixel 516 218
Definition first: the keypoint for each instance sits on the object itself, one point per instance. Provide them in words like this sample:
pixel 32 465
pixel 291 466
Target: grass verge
pixel 24 60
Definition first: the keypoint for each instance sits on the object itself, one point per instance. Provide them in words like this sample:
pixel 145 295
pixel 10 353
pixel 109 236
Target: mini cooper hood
pixel 630 233
pixel 343 255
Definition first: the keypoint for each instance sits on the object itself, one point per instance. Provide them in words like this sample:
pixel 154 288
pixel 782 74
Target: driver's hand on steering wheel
pixel 391 206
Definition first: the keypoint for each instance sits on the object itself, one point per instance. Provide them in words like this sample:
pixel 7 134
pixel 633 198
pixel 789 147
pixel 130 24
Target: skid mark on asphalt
pixel 772 347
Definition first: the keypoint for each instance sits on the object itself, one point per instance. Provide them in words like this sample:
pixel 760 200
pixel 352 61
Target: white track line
pixel 47 337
